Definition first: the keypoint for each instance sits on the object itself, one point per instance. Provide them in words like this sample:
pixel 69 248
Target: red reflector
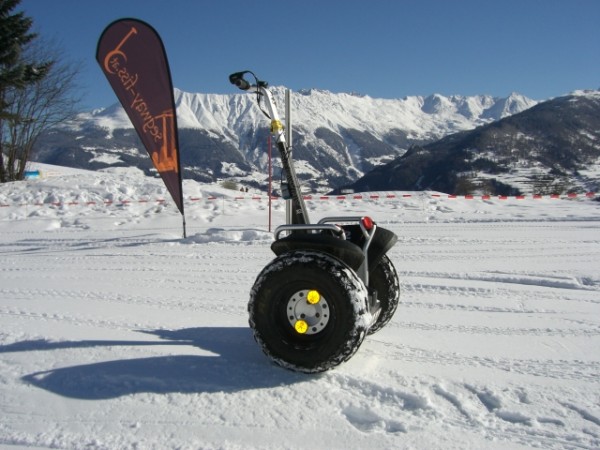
pixel 367 223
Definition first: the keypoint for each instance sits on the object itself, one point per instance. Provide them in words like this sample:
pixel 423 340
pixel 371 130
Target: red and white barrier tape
pixel 366 197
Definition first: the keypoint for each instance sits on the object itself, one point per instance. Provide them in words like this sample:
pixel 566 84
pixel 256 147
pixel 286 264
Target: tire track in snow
pixel 393 409
pixel 502 415
pixel 174 303
pixel 510 411
pixel 21 313
pixel 104 300
pixel 498 331
pixel 518 279
pixel 544 368
pixel 104 323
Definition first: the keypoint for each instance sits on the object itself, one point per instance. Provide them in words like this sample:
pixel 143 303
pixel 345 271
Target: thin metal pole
pixel 288 138
pixel 288 118
pixel 269 190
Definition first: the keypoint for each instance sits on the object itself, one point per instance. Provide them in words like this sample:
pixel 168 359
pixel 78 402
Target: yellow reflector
pixel 301 326
pixel 313 297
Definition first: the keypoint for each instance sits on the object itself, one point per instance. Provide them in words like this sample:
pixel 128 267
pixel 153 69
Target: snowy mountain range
pixel 337 138
pixel 550 148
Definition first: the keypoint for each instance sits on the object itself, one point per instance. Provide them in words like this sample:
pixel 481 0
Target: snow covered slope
pixel 116 333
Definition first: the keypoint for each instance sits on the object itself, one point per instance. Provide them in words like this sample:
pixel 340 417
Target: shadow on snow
pixel 238 364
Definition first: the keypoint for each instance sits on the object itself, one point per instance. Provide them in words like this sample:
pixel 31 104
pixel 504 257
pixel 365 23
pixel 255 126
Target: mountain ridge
pixel 337 138
pixel 550 148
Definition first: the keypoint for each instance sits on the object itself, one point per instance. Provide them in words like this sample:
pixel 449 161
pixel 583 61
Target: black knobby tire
pixel 345 318
pixel 384 279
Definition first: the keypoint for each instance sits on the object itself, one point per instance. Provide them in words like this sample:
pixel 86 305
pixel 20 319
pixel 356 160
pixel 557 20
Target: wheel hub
pixel 308 312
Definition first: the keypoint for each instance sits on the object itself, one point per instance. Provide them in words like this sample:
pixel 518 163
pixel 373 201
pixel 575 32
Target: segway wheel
pixel 384 280
pixel 308 311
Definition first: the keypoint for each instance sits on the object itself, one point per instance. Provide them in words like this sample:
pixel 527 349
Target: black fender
pixel 348 250
pixel 381 243
pixel 344 250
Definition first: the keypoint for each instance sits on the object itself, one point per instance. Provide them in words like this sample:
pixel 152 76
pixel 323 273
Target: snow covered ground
pixel 117 333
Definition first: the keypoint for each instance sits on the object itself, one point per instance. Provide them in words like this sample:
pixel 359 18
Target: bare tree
pixel 37 107
pixel 14 72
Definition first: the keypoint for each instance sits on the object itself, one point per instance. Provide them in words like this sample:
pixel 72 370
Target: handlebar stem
pixel 300 213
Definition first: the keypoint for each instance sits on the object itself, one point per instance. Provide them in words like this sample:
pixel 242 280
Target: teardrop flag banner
pixel 133 58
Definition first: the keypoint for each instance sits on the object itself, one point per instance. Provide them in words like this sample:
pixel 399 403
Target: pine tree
pixel 15 73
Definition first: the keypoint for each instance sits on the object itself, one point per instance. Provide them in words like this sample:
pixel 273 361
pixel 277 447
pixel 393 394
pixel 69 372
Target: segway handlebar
pixel 238 80
pixel 277 130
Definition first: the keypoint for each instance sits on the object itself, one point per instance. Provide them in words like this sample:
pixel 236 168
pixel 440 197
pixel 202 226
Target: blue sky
pixel 381 48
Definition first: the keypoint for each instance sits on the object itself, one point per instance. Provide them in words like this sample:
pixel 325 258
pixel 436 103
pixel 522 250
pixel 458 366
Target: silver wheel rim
pixel 316 316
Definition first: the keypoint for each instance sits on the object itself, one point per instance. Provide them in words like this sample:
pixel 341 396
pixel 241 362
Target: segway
pixel 331 283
